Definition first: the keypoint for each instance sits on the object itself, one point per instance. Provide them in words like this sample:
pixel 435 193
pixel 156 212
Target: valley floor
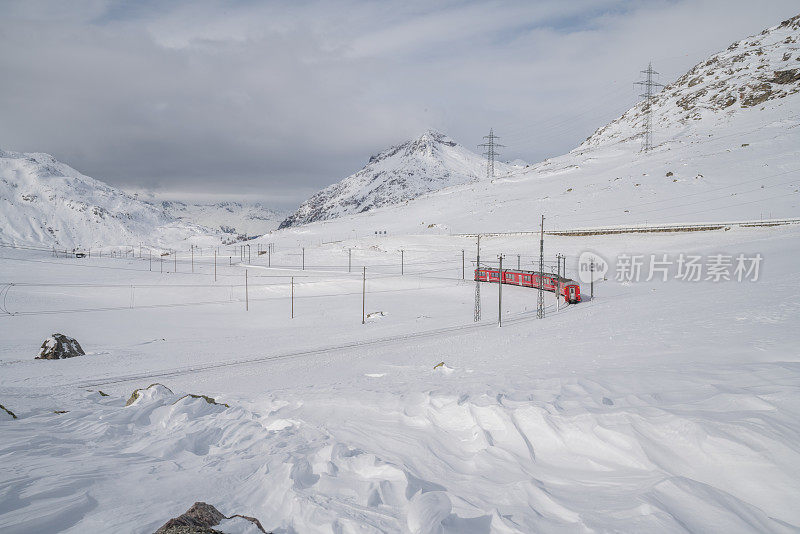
pixel 665 406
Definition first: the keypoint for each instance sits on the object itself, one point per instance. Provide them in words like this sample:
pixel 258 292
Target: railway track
pixel 165 373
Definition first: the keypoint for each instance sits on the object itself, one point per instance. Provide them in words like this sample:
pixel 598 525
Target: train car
pixel 569 289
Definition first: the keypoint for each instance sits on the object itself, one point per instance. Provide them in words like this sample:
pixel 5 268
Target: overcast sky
pixel 275 100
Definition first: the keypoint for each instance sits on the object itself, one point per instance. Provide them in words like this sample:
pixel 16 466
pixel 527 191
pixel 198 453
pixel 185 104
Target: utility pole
pixel 402 268
pixel 540 302
pixel 463 266
pixel 648 84
pixel 518 262
pixel 269 255
pixel 500 293
pixel 246 294
pixel 175 252
pixel 292 297
pixel 490 152
pixel 193 258
pixel 477 312
pixel 161 258
pixel 364 297
pixel 151 260
pixel 248 253
pixel 558 285
pixel 304 259
pixel 349 259
pixel 215 265
pixel 591 279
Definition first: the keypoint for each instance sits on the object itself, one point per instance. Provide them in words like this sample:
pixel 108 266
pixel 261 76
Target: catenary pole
pixel 364 296
pixel 540 301
pixel 477 317
pixel 246 294
pixel 500 292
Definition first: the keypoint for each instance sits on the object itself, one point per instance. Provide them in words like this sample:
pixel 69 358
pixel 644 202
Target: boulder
pixel 59 346
pixel 200 519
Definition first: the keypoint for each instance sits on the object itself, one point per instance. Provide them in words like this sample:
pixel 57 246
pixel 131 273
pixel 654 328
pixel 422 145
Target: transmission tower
pixel 478 284
pixel 490 152
pixel 648 95
pixel 540 302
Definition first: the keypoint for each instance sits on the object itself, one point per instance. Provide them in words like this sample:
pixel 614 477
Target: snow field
pixel 661 405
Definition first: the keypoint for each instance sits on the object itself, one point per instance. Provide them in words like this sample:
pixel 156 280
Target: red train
pixel 570 289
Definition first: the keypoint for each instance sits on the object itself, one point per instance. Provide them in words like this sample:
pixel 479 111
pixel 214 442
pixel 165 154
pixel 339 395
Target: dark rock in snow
pixel 206 398
pixel 199 519
pixel 8 412
pixel 160 388
pixel 59 346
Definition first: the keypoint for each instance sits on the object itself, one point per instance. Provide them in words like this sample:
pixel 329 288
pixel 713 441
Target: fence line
pixel 644 228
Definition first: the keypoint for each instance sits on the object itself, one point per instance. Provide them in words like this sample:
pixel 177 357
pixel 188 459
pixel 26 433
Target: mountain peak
pixel 434 136
pixel 419 166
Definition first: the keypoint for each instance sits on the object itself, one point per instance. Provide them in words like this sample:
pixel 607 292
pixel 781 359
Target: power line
pixel 648 84
pixel 490 152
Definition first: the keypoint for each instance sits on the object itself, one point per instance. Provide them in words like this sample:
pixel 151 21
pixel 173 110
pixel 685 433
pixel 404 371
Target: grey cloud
pixel 278 99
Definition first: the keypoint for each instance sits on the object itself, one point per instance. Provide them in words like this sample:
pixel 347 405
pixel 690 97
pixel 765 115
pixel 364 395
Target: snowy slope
pixel 239 218
pixel 45 202
pixel 749 73
pixel 710 162
pixel 431 162
pixel 659 407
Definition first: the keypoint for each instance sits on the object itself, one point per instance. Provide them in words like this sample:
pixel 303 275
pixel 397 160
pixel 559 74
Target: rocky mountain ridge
pixel 428 163
pixel 750 72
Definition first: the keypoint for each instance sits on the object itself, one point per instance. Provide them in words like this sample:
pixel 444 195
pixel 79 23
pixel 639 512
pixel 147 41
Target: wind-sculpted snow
pixel 567 455
pixel 429 163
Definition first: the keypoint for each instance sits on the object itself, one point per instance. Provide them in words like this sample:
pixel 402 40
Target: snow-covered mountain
pixel 726 146
pixel 749 73
pixel 46 202
pixel 428 163
pixel 236 218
